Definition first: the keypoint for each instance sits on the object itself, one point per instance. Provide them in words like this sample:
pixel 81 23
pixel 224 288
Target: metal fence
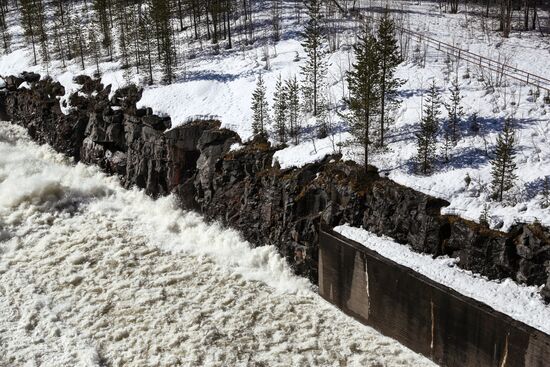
pixel 481 61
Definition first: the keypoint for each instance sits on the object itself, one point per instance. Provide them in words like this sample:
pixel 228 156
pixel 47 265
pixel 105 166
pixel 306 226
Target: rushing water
pixel 95 275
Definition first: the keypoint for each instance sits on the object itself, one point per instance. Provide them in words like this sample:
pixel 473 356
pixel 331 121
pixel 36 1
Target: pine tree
pixel 122 16
pixel 293 108
pixel 503 165
pixel 485 215
pixel 315 68
pixel 322 126
pixel 280 111
pixel 94 47
pixel 79 38
pixel 29 14
pixel 451 133
pixel 63 27
pixel 276 6
pixel 364 88
pixel 160 13
pixel 260 109
pixel 545 203
pixel 6 37
pixel 102 20
pixel 455 111
pixel 146 32
pixel 134 35
pixel 429 126
pixel 474 123
pixel 61 46
pixel 390 58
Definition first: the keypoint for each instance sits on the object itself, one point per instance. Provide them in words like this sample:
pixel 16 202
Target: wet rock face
pixel 245 190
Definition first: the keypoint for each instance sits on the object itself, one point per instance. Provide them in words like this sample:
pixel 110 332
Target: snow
pixel 520 302
pixel 92 274
pixel 307 152
pixel 221 87
pixel 218 85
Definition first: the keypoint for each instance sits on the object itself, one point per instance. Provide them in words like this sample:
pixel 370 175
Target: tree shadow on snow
pixel 208 75
pixel 533 188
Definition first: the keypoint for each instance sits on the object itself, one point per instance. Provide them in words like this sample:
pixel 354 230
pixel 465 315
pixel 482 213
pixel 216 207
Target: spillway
pixel 92 274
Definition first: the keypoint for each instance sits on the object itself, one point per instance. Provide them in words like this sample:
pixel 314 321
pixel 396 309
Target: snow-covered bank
pixel 92 274
pixel 219 85
pixel 520 302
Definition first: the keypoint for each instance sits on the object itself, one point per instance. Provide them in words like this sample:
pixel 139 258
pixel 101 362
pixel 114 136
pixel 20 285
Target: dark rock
pixel 13 82
pixel 81 79
pixel 141 112
pixel 246 190
pixel 156 122
pixel 30 77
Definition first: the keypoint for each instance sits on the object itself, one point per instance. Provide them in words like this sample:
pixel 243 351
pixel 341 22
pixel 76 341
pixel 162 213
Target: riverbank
pixel 246 190
pixel 92 274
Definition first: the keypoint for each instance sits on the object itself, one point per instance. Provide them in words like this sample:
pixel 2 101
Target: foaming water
pixel 92 274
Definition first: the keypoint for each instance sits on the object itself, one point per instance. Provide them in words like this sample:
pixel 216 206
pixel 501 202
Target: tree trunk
pixel 230 45
pixel 180 15
pixel 382 103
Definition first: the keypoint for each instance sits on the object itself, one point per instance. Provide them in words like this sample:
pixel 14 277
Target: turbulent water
pixel 95 275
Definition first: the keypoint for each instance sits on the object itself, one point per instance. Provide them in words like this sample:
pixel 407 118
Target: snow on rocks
pixel 219 86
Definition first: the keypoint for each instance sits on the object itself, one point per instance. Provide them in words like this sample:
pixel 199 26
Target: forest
pixel 149 34
pixel 154 39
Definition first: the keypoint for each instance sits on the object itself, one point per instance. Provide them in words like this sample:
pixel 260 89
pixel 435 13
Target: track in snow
pixel 95 275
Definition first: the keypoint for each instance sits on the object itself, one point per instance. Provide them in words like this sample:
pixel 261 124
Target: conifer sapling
pixel 429 126
pixel 390 58
pixel 280 111
pixel 260 109
pixel 503 165
pixel 364 89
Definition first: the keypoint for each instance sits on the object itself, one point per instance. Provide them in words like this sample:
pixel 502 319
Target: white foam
pixel 93 274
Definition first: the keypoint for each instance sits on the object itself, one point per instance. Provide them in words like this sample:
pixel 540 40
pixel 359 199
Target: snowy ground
pixel 220 86
pixel 92 275
pixel 520 302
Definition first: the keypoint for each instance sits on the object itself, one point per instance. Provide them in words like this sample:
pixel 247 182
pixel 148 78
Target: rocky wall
pixel 246 190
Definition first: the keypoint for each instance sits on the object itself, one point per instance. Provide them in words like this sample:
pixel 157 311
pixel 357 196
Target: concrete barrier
pixel 429 318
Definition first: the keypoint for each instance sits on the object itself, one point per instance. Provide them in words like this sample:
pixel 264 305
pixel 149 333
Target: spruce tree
pixel 276 9
pixel 474 124
pixel 280 111
pixel 390 58
pixel 293 105
pixel 40 19
pixel 260 109
pixel 455 111
pixel 61 45
pixel 545 203
pixel 364 88
pixel 102 20
pixel 79 37
pixel 146 33
pixel 6 37
pixel 160 13
pixel 503 165
pixel 322 127
pixel 121 14
pixel 429 126
pixel 94 47
pixel 29 13
pixel 315 68
pixel 485 215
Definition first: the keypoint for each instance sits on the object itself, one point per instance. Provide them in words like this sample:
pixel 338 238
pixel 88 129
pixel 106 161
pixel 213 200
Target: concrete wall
pixel 449 328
